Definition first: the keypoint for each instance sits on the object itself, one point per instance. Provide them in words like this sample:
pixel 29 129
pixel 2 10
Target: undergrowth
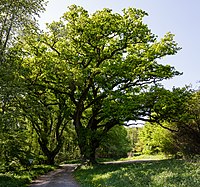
pixel 21 178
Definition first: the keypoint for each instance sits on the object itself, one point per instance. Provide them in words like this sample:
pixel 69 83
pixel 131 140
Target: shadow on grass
pixel 170 173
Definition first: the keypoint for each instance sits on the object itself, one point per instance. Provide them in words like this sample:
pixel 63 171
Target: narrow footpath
pixel 62 177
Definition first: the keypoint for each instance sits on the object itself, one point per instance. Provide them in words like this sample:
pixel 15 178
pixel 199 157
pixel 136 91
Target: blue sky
pixel 180 17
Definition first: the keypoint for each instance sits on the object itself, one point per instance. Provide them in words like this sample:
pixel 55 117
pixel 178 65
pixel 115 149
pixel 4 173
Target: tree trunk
pixel 51 159
pixel 88 145
pixel 88 155
pixel 50 154
pixel 92 156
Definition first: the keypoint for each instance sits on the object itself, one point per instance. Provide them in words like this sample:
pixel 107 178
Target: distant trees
pixel 154 139
pixel 115 144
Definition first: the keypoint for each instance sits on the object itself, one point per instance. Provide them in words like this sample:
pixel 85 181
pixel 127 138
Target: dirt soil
pixel 62 177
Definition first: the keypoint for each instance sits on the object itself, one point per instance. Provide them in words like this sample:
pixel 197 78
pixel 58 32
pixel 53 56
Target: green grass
pixel 140 157
pixel 163 173
pixel 23 177
pixel 145 157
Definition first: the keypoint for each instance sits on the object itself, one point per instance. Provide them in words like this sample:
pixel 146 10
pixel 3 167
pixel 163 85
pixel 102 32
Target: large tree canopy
pixel 104 65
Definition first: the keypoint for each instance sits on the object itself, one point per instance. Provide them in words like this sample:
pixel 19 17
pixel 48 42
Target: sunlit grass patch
pixel 170 173
pixel 146 157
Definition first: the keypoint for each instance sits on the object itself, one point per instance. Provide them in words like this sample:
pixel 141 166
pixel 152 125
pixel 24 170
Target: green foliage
pixel 154 139
pixel 23 177
pixel 188 135
pixel 115 144
pixel 133 136
pixel 70 149
pixel 170 105
pixel 14 141
pixel 181 136
pixel 15 16
pixel 170 173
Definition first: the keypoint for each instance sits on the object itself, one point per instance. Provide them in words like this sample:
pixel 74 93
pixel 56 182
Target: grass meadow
pixel 155 173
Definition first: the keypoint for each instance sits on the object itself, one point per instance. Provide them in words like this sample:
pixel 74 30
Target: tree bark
pixel 50 154
pixel 88 144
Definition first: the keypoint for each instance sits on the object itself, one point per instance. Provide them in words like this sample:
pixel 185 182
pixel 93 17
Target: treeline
pixel 67 92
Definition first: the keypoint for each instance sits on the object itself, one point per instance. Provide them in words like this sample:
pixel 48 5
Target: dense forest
pixel 69 92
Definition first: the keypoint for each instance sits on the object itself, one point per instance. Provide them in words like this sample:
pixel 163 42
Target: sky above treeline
pixel 180 17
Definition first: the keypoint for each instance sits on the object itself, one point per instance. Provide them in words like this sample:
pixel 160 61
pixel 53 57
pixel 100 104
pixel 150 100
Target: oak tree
pixel 105 65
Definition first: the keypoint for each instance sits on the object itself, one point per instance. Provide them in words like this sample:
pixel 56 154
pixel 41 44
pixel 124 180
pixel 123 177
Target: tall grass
pixel 164 173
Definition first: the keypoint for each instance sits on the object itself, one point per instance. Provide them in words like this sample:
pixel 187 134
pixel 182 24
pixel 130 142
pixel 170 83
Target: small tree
pixel 46 112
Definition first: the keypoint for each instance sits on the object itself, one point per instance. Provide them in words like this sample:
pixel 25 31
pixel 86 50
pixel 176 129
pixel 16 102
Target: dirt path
pixel 59 178
pixel 63 177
